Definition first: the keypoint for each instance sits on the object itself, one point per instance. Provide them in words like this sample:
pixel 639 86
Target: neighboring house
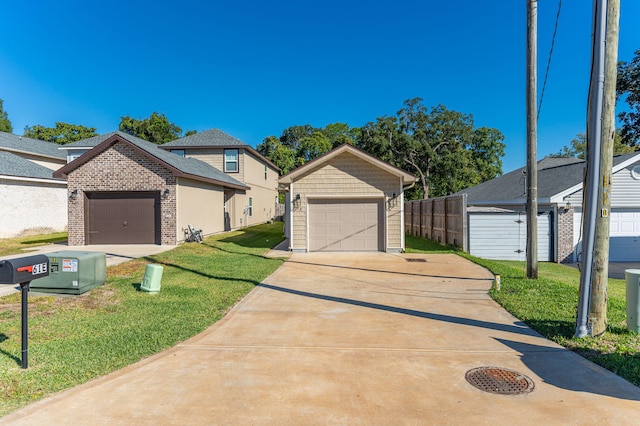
pixel 32 201
pixel 241 162
pixel 346 200
pixel 124 190
pixel 497 218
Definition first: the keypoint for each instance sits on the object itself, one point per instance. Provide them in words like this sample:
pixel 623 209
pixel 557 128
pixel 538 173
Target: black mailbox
pixel 23 269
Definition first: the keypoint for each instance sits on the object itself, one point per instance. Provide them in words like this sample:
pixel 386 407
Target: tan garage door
pixel 123 218
pixel 346 225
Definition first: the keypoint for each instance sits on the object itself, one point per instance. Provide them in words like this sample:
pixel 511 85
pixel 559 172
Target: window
pixel 265 172
pixel 179 152
pixel 231 160
pixel 250 206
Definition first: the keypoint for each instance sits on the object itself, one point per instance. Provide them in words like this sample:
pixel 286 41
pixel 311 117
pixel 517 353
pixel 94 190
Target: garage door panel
pixel 345 225
pixel 122 218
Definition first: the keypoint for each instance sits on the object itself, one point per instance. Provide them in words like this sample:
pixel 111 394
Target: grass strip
pixel 75 339
pixel 20 245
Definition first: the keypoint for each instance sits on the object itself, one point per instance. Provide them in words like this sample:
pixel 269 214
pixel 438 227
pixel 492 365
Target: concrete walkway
pixel 115 254
pixel 353 339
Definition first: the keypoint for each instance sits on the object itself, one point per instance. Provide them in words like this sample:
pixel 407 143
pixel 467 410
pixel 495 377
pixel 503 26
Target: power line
pixel 553 42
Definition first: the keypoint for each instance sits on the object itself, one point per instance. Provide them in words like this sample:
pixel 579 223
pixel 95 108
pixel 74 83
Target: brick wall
pixel 565 235
pixel 121 168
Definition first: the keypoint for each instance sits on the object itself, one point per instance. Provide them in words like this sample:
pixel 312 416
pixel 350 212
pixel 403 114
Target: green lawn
pixel 75 339
pixel 21 245
pixel 549 306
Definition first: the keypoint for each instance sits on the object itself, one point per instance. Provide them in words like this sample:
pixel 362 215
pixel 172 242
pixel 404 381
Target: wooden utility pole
pixel 599 279
pixel 532 139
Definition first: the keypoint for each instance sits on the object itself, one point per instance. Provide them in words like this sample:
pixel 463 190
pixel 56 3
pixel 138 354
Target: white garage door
pixel 624 243
pixel 345 225
pixel 624 232
pixel 504 236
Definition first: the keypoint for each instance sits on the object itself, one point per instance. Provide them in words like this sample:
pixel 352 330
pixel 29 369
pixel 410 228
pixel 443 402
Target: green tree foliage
pixel 578 147
pixel 440 146
pixel 5 123
pixel 156 128
pixel 628 85
pixel 62 133
pixel 300 144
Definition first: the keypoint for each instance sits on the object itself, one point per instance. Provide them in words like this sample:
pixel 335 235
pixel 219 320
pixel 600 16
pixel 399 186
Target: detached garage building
pixel 346 200
pixel 497 220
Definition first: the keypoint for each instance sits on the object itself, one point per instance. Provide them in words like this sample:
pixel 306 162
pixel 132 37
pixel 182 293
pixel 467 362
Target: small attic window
pixel 635 172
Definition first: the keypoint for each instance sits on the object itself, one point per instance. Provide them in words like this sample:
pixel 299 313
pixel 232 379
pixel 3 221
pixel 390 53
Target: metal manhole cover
pixel 499 380
pixel 410 259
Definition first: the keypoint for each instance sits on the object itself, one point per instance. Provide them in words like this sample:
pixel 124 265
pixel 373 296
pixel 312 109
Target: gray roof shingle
pixel 14 165
pixel 189 166
pixel 15 143
pixel 213 137
pixel 555 175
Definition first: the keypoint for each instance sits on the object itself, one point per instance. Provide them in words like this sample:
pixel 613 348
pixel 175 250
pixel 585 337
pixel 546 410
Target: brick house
pixel 124 190
pixel 497 219
pixel 346 200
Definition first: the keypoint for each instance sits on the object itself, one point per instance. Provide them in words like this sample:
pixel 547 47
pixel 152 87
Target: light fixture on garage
pixel 165 194
pixel 73 195
pixel 567 207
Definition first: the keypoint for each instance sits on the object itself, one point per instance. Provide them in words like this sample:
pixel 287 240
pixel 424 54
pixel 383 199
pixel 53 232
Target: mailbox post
pixel 22 271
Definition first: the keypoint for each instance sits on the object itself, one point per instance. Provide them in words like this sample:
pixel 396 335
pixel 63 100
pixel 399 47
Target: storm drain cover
pixel 499 380
pixel 410 259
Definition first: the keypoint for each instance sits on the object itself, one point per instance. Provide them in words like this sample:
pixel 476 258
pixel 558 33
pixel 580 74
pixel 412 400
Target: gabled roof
pixel 557 178
pixel 179 166
pixel 214 138
pixel 19 144
pixel 290 177
pixel 12 165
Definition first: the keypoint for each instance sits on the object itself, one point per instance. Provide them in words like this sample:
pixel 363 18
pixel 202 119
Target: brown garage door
pixel 345 225
pixel 123 218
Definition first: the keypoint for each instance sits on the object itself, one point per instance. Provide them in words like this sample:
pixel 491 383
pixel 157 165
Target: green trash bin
pixel 632 277
pixel 152 278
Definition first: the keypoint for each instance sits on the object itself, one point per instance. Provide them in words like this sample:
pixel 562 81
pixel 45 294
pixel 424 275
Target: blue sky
pixel 253 68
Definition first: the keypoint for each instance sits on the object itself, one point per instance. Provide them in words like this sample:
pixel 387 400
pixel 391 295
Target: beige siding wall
pixel 346 176
pixel 251 172
pixel 215 157
pixel 49 163
pixel 201 205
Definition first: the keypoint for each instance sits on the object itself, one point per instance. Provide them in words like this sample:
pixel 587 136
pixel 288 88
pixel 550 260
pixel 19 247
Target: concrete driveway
pixel 353 339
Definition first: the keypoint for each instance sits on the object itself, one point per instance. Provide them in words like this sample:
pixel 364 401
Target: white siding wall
pixel 32 207
pixel 625 189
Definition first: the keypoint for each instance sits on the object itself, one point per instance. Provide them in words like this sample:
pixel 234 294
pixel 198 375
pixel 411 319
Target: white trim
pixel 28 179
pixel 343 197
pixel 402 230
pixel 291 198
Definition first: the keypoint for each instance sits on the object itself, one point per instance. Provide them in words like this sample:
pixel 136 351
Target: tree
pixel 280 155
pixel 628 84
pixel 156 128
pixel 62 133
pixel 578 147
pixel 439 145
pixel 5 123
pixel 300 144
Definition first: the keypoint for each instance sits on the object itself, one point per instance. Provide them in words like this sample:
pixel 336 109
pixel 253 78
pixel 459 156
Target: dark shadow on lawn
pixel 567 370
pixel 518 328
pixel 17 360
pixel 389 272
pixel 202 274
